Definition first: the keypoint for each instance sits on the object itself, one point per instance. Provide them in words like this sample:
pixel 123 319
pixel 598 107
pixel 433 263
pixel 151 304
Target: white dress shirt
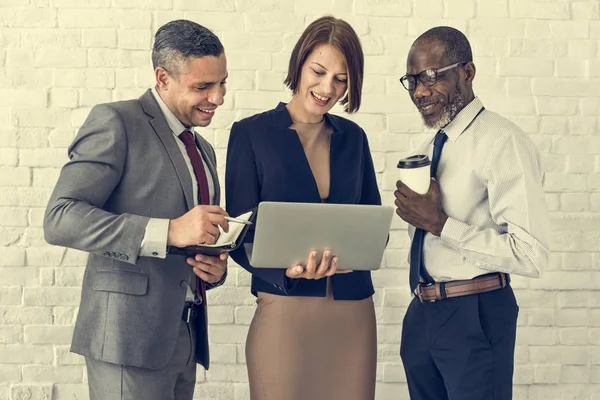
pixel 491 178
pixel 154 243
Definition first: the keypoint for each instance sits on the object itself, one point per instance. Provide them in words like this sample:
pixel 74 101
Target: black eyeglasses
pixel 428 77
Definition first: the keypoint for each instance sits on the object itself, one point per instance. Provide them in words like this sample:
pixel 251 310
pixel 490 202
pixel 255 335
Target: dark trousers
pixel 461 348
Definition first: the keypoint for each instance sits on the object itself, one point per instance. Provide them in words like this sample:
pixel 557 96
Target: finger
pixel 214 209
pixel 405 190
pixel 211 230
pixel 207 259
pixel 224 256
pixel 401 215
pixel 311 266
pixel 398 195
pixel 434 187
pixel 401 208
pixel 207 268
pixel 400 185
pixel 217 219
pixel 333 268
pixel 294 272
pixel 399 203
pixel 207 239
pixel 324 265
pixel 204 276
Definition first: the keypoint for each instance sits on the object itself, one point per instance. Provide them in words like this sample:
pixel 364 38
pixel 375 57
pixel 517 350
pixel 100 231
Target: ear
pixel 162 78
pixel 470 71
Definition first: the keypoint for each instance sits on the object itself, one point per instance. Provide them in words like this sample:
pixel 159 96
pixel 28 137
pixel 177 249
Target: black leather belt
pixel 189 310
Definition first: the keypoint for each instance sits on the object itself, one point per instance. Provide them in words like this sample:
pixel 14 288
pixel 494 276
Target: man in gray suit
pixel 140 179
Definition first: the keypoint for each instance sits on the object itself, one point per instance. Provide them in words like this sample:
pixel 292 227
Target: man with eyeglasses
pixel 483 219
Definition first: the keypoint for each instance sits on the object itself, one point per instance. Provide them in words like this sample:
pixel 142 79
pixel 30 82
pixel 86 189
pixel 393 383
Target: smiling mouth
pixel 320 99
pixel 206 110
pixel 428 108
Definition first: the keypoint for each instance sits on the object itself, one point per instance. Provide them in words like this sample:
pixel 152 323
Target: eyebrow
pixel 210 83
pixel 322 66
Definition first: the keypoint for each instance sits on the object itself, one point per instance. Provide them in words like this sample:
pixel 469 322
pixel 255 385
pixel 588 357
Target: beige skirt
pixel 312 348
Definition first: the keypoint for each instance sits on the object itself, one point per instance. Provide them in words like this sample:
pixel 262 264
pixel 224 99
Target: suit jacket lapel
pixel 161 127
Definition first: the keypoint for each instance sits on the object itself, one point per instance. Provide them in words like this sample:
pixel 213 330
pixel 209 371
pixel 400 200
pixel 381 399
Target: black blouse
pixel 266 162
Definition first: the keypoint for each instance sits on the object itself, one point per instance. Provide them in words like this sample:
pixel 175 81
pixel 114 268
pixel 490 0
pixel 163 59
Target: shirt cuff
pixel 154 243
pixel 452 232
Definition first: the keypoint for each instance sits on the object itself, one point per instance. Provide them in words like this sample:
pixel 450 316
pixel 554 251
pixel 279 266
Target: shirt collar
pixel 282 118
pixel 463 119
pixel 175 124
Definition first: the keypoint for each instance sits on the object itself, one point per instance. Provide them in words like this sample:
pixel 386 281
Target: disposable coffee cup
pixel 414 172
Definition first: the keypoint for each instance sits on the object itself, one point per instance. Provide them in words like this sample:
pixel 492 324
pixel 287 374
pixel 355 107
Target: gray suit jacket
pixel 124 168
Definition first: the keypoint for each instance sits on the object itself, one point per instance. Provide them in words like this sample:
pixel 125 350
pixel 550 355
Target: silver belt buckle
pixel 419 292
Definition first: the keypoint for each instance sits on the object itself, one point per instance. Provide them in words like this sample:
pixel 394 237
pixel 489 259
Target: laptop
pixel 287 232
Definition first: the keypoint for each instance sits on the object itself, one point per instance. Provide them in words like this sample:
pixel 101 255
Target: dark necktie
pixel 203 195
pixel 416 249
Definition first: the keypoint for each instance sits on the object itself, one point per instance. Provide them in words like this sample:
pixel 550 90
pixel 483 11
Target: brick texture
pixel 538 64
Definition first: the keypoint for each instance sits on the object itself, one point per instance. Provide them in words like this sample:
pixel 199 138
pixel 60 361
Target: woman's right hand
pixel 327 267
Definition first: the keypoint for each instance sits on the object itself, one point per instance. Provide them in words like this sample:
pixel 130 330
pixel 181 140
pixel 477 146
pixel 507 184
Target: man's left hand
pixel 209 269
pixel 421 211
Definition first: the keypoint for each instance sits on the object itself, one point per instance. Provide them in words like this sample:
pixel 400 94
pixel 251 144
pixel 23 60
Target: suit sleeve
pixel 242 193
pixel 74 216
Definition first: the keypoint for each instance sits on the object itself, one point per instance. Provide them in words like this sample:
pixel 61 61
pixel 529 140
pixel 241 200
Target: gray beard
pixel 450 111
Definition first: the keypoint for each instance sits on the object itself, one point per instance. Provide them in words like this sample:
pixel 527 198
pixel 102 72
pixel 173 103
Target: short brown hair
pixel 338 33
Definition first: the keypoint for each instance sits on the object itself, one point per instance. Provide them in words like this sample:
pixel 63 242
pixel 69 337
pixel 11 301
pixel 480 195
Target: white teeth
pixel 321 98
pixel 207 111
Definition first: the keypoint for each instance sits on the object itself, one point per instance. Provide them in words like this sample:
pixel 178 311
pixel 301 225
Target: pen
pixel 239 221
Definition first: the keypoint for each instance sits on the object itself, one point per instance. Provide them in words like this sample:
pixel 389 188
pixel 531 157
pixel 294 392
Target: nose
pixel 328 86
pixel 421 90
pixel 217 95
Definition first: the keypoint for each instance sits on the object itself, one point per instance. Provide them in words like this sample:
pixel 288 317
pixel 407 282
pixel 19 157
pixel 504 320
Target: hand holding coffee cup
pixel 414 172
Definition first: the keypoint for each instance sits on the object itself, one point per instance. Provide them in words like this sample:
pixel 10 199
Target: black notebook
pixel 226 242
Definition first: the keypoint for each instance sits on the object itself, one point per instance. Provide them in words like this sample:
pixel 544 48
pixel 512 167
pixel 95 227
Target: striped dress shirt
pixel 491 178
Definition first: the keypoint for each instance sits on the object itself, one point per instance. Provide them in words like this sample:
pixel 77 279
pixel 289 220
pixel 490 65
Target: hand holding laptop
pixel 354 235
pixel 327 267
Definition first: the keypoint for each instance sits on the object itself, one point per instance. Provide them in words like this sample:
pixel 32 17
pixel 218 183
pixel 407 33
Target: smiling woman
pixel 320 320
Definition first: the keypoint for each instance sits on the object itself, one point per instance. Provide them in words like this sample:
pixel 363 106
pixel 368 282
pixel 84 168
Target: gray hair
pixel 179 40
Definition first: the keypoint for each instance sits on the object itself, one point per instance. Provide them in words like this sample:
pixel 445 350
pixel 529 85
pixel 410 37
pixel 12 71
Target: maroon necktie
pixel 203 195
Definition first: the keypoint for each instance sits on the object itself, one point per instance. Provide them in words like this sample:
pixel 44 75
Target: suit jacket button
pixel 124 257
pixel 183 284
pixel 154 253
pixel 106 254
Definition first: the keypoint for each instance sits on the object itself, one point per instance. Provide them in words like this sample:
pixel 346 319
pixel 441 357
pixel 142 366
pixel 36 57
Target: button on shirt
pixel 491 178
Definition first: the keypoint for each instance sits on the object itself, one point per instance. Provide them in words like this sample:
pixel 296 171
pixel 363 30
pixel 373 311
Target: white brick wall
pixel 538 64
